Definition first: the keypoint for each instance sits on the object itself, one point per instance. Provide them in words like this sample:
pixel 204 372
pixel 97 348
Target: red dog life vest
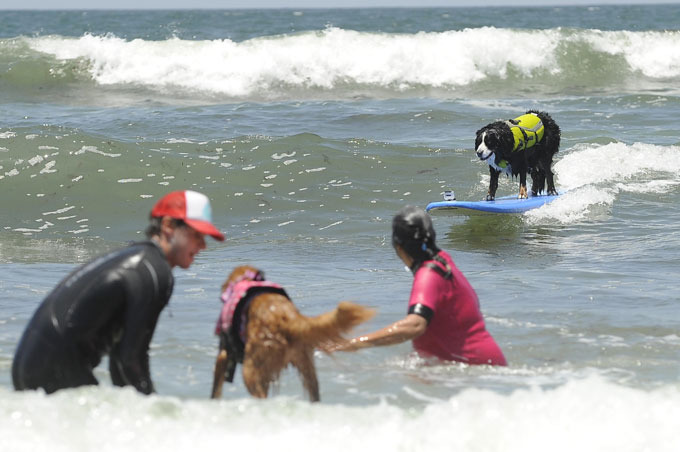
pixel 235 298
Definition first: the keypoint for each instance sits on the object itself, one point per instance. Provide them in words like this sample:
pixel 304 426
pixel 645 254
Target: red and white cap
pixel 191 207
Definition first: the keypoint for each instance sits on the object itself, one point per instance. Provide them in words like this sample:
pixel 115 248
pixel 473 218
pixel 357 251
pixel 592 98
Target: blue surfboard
pixel 505 204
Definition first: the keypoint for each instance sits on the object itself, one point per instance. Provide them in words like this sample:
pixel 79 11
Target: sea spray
pixel 590 415
pixel 592 177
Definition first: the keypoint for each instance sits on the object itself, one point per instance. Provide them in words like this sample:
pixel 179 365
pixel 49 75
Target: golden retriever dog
pixel 260 327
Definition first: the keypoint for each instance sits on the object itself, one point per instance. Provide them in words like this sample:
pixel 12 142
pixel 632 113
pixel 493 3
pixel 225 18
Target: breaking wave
pixel 343 63
pixel 594 176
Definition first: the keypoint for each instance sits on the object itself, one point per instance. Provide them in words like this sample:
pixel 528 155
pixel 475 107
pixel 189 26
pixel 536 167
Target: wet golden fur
pixel 278 335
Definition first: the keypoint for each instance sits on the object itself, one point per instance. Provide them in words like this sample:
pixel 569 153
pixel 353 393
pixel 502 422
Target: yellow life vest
pixel 527 130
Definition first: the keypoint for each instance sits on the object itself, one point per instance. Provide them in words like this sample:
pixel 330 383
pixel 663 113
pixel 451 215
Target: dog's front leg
pixel 523 185
pixel 493 183
pixel 220 371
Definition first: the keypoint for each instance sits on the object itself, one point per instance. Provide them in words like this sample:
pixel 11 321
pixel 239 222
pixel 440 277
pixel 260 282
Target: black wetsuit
pixel 109 305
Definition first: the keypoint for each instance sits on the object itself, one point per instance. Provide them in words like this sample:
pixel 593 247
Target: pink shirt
pixel 456 331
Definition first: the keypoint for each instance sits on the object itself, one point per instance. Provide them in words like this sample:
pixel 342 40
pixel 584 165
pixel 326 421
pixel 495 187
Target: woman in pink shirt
pixel 444 319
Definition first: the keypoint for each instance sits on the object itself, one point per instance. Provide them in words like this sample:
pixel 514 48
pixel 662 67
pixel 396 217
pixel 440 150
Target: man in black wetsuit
pixel 111 304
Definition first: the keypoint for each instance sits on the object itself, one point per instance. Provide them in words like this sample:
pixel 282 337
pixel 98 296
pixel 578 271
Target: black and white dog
pixel 517 146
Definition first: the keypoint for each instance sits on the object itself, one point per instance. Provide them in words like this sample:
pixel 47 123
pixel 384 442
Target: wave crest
pixel 347 63
pixel 595 176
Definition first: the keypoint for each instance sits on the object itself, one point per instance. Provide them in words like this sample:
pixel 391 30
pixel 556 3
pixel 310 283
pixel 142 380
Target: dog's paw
pixel 522 193
pixel 489 198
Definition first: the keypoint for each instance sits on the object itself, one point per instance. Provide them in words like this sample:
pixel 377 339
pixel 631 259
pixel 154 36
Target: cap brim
pixel 205 228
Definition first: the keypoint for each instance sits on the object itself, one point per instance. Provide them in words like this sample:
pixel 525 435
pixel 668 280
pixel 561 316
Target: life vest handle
pixel 446 274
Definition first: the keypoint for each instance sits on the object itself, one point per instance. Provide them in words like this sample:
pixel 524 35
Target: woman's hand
pixel 343 345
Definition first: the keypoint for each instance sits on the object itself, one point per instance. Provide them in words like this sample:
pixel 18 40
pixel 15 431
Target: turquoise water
pixel 308 130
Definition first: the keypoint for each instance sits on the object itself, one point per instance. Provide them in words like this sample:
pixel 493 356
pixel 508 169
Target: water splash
pixel 593 177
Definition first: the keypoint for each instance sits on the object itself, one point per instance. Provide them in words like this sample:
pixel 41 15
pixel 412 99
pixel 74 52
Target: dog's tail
pixel 328 328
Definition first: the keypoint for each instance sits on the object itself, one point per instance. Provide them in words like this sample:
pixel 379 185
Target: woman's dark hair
pixel 154 227
pixel 412 230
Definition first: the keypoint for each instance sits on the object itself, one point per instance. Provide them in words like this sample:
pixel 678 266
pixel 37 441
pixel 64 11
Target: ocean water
pixel 309 129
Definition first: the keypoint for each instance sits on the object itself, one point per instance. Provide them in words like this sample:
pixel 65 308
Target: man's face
pixel 185 244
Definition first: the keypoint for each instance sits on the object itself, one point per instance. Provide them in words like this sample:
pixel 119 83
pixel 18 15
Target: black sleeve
pixel 147 295
pixel 422 310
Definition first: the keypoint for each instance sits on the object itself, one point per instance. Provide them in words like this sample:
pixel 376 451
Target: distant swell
pixel 345 63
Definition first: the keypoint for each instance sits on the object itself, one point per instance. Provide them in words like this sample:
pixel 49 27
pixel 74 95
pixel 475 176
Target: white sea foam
pixel 333 58
pixel 587 415
pixel 65 209
pixel 129 181
pixel 315 59
pixel 617 162
pixel 593 176
pixel 654 53
pixel 35 160
pixel 94 150
pixel 49 167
